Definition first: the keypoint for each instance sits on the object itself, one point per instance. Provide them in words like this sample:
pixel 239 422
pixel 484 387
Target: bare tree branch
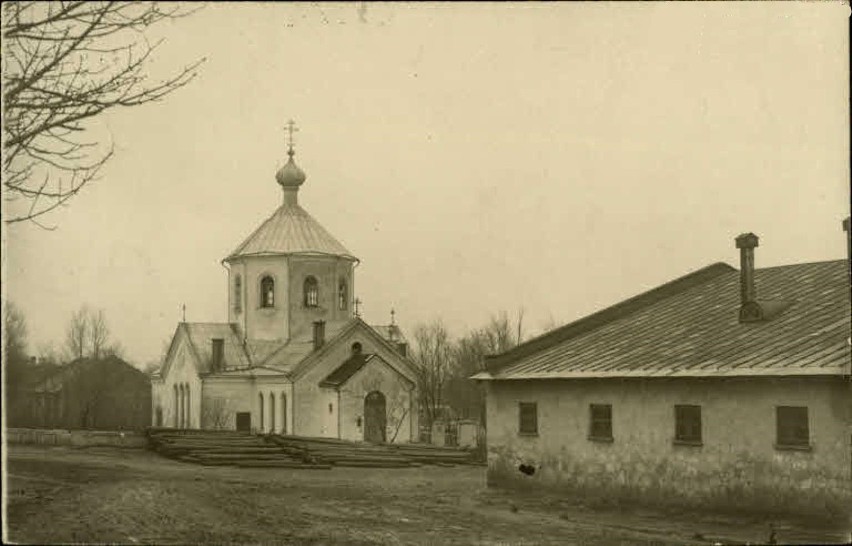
pixel 65 64
pixel 77 333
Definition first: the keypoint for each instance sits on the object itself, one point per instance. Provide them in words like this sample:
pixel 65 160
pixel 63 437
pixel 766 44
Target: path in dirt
pixel 109 495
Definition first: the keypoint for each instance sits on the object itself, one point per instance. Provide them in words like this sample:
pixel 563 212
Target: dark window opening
pixel 600 421
pixel 688 424
pixel 311 292
pixel 528 418
pixel 792 426
pixel 267 292
pixel 342 295
pixel 238 293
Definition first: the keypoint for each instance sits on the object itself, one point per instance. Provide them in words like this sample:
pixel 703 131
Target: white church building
pixel 293 357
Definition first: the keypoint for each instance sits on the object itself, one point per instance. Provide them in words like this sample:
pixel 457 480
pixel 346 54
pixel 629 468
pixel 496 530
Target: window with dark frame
pixel 688 424
pixel 342 295
pixel 267 292
pixel 311 292
pixel 600 421
pixel 528 418
pixel 792 426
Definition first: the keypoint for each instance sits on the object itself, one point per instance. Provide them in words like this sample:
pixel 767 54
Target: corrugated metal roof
pixel 290 230
pixel 690 327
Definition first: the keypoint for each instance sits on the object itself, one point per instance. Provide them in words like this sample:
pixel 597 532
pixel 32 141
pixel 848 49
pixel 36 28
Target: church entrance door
pixel 375 418
pixel 244 421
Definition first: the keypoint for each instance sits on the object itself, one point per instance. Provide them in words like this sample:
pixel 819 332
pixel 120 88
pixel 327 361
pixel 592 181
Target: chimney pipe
pixel 218 353
pixel 319 334
pixel 747 242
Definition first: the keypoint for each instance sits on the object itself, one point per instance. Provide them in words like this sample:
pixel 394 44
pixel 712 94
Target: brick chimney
pixel 319 334
pixel 747 242
pixel 218 346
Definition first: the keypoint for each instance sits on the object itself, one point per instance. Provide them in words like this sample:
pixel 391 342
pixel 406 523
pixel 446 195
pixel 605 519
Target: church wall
pixel 311 412
pixel 328 271
pixel 181 371
pixel 263 322
pixel 282 393
pixel 222 398
pixel 377 376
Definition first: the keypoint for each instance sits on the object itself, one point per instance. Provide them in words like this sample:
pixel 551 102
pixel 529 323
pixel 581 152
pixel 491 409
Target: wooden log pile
pixel 360 454
pixel 215 448
pixel 244 449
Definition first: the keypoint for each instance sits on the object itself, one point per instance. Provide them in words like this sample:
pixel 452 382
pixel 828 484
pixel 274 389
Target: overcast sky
pixel 476 158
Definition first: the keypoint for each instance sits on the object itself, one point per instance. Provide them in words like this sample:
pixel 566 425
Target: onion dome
pixel 290 175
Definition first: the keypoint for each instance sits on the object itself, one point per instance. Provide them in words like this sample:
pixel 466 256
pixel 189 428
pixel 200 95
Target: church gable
pixel 359 365
pixel 179 356
pixel 193 346
pixel 332 355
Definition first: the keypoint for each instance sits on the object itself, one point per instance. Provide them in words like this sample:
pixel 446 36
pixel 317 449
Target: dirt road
pixel 131 496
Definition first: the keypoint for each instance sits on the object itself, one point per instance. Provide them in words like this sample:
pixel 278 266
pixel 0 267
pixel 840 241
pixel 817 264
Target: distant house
pixel 722 388
pixel 103 394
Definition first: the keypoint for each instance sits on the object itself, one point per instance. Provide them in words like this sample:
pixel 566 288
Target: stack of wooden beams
pixel 224 448
pixel 345 453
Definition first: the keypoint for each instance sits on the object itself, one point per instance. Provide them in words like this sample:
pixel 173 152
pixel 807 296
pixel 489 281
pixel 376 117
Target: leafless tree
pixel 77 332
pixel 49 353
pixel 463 394
pixel 432 359
pixel 14 333
pixel 98 332
pixel 64 64
pixel 216 413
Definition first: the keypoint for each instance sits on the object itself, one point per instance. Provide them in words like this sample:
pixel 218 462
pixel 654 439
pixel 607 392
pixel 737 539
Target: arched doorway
pixel 375 417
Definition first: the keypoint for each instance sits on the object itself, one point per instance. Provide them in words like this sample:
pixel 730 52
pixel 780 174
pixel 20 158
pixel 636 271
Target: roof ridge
pixel 608 314
pixel 816 262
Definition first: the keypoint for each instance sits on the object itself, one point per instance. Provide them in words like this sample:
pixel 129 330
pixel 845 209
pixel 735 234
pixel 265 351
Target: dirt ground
pixel 136 497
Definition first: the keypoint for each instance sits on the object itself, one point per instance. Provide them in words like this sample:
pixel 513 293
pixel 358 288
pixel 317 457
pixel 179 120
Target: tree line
pixel 444 365
pixel 98 390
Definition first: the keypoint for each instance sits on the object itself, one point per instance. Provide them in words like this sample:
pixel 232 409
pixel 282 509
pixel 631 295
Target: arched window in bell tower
pixel 342 295
pixel 267 292
pixel 311 292
pixel 238 293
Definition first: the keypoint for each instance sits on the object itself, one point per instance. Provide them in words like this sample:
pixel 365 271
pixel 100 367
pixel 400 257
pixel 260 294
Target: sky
pixel 477 158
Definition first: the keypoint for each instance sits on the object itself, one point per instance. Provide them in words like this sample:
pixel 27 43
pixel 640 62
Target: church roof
pixel 200 334
pixel 290 230
pixel 342 373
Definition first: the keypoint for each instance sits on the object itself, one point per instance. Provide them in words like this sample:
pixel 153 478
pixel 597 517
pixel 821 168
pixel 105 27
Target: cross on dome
pixel 291 128
pixel 290 177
